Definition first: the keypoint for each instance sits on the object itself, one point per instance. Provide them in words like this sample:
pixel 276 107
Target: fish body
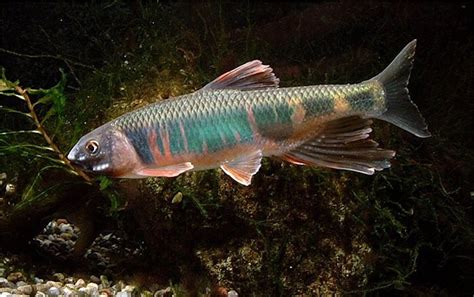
pixel 243 116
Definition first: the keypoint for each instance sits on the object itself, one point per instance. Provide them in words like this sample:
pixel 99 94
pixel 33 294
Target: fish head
pixel 106 150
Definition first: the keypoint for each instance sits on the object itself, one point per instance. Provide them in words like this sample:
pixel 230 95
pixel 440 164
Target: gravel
pixel 57 240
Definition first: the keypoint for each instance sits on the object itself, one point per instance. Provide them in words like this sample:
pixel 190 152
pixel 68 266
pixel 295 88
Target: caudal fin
pixel 401 111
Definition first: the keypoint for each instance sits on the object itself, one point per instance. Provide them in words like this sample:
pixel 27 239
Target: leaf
pixel 5 84
pixel 6 109
pixel 104 182
pixel 54 95
pixel 20 132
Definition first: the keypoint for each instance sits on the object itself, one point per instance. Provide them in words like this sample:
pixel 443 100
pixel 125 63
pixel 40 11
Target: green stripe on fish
pixel 217 132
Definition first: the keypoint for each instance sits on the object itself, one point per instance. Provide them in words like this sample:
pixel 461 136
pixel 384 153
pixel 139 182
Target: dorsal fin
pixel 343 144
pixel 242 169
pixel 249 76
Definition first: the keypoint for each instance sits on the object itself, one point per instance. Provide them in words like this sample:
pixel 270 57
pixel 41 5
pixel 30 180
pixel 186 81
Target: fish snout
pixel 76 157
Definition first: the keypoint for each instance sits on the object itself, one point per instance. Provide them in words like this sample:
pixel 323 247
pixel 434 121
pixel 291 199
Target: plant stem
pixel 48 139
pixel 65 60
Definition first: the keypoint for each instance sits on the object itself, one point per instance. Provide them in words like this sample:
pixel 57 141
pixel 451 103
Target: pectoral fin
pixel 242 169
pixel 167 171
pixel 342 144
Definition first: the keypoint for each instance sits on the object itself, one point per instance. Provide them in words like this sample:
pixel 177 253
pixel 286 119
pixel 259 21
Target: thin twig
pixel 65 60
pixel 57 57
pixel 48 139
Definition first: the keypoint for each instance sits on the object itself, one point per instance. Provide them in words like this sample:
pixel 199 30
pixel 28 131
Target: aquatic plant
pixel 27 147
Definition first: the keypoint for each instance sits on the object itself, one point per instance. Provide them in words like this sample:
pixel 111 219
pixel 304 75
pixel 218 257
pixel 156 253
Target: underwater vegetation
pixel 295 231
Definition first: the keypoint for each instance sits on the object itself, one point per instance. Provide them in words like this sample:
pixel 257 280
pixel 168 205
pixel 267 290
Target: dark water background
pixel 103 47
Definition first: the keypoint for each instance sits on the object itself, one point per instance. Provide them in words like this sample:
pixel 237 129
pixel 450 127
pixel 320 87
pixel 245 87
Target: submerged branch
pixel 65 60
pixel 42 131
pixel 57 57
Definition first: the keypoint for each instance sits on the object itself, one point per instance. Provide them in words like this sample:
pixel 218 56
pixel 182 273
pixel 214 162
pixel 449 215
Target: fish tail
pixel 401 111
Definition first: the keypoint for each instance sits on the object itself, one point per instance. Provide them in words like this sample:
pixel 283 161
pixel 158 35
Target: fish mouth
pixel 79 165
pixel 77 161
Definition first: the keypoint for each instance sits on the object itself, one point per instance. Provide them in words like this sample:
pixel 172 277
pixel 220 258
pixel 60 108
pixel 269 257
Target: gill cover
pixel 105 150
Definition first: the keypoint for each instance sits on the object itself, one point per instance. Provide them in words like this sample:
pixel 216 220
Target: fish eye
pixel 92 147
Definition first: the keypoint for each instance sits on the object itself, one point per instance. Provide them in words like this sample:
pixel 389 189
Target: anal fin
pixel 342 144
pixel 243 169
pixel 166 171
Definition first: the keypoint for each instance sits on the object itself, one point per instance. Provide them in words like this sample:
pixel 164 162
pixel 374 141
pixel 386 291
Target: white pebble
pixel 68 292
pixel 40 294
pixel 25 289
pixel 128 288
pixel 232 293
pixel 85 291
pixel 53 291
pixel 93 288
pixel 80 283
pixel 5 294
pixel 38 280
pixel 21 283
pixel 65 228
pixel 70 286
pixel 123 294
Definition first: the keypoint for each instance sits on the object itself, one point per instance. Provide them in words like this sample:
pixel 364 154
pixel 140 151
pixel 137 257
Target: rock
pixel 69 280
pixel 123 294
pixel 220 292
pixel 118 286
pixel 2 272
pixel 59 277
pixel 68 292
pixel 61 221
pixel 104 281
pixel 93 288
pixel 80 283
pixel 95 279
pixel 25 289
pixel 15 277
pixel 106 292
pixel 54 284
pixel 10 189
pixel 8 284
pixel 163 292
pixel 177 198
pixel 38 280
pixel 128 288
pixel 84 291
pixel 5 294
pixel 5 290
pixel 40 294
pixel 21 283
pixel 3 282
pixel 232 293
pixel 70 286
pixel 53 291
pixel 42 287
pixel 66 228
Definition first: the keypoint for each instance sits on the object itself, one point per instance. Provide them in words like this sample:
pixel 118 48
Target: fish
pixel 243 115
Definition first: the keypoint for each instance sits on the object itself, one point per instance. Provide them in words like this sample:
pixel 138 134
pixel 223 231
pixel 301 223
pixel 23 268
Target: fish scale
pixel 210 117
pixel 242 116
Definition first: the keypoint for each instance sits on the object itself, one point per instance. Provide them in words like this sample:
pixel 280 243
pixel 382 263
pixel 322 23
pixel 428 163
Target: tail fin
pixel 401 111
